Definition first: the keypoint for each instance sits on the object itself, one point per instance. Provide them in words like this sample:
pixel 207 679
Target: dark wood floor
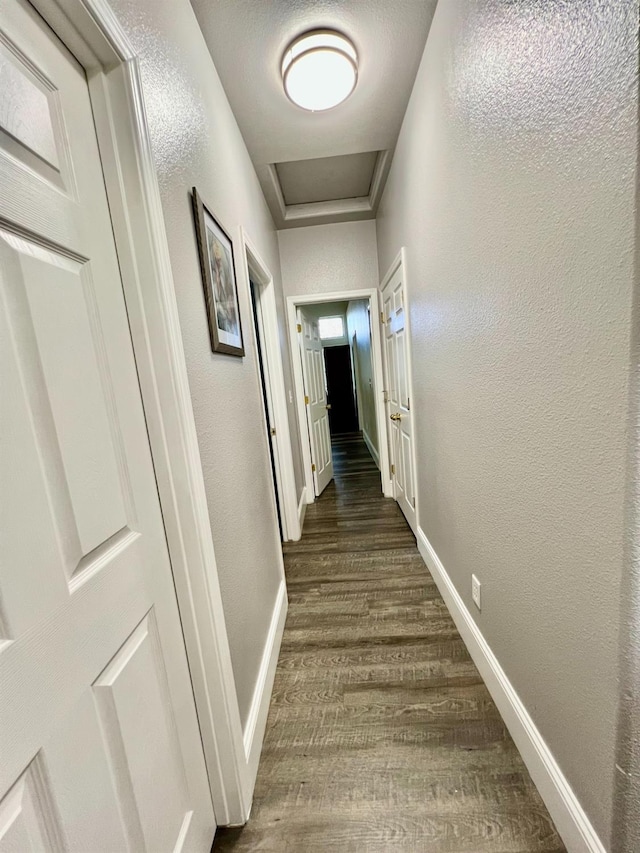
pixel 381 734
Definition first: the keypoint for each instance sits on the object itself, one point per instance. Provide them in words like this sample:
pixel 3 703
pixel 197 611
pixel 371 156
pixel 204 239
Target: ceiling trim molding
pixel 277 189
pixel 336 207
pixel 323 212
pixel 379 179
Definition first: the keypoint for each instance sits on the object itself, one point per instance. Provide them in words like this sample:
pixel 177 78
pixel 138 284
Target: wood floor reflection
pixel 381 734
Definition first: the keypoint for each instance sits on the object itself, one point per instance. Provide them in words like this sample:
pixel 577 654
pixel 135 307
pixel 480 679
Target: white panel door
pixel 316 401
pixel 98 732
pixel 397 402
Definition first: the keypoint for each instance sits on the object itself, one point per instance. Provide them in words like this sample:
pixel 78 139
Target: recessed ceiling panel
pixel 327 178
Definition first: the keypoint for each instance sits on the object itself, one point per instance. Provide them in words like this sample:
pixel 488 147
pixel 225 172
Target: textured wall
pixel 626 835
pixel 358 325
pixel 513 189
pixel 197 143
pixel 323 258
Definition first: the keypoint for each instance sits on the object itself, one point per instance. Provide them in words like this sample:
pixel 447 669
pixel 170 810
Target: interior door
pixel 397 402
pixel 98 730
pixel 316 401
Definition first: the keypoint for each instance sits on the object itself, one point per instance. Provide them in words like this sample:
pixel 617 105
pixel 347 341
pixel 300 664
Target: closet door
pixel 98 731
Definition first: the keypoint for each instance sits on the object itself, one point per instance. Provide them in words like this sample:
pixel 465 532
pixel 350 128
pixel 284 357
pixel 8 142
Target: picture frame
pixel 217 265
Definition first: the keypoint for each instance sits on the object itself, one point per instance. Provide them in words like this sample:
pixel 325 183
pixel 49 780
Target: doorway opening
pixel 341 389
pixel 338 375
pixel 271 430
pixel 269 364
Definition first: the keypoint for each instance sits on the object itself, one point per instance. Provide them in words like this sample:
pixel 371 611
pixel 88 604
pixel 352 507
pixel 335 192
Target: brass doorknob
pixel 328 406
pixel 396 416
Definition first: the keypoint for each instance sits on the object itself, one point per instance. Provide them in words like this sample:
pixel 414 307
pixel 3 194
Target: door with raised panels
pixel 316 401
pixel 99 742
pixel 397 402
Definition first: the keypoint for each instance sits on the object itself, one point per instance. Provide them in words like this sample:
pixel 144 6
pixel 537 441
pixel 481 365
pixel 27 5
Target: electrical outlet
pixel 475 591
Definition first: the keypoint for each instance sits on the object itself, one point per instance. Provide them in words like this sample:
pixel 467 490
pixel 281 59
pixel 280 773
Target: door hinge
pixel 313 466
pixel 306 400
pixel 382 317
pixel 413 501
pixel 273 430
pixel 408 405
pixel 299 327
pixel 393 470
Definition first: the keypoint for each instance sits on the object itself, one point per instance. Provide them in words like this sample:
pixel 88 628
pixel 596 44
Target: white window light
pixel 320 70
pixel 330 328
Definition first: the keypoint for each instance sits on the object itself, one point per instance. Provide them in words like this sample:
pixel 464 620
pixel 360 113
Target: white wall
pixel 197 143
pixel 512 188
pixel 325 258
pixel 358 324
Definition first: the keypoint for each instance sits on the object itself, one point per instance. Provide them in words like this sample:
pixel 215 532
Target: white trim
pixel 277 190
pixel 293 302
pixel 302 507
pixel 372 450
pixel 285 484
pixel 379 179
pixel 564 807
pixel 257 719
pixel 400 260
pixel 320 212
pixel 91 31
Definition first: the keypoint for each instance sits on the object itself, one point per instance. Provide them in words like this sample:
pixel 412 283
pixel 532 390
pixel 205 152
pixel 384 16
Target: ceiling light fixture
pixel 320 70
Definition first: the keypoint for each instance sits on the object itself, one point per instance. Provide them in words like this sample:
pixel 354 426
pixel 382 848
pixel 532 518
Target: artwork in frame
pixel 219 281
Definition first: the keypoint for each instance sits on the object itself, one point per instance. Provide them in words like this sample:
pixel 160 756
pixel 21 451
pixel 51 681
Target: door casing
pixel 93 34
pixel 373 297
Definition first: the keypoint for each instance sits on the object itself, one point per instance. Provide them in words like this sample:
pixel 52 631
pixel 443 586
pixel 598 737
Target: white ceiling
pixel 247 39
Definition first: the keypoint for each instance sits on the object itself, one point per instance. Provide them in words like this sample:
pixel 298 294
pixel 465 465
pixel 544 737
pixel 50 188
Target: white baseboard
pixel 568 815
pixel 257 719
pixel 302 507
pixel 372 450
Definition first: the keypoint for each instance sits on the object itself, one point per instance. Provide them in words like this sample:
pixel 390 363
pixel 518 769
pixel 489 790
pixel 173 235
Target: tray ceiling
pixel 327 178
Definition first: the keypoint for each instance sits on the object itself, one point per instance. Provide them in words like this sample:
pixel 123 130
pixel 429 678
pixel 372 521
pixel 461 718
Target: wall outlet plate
pixel 475 592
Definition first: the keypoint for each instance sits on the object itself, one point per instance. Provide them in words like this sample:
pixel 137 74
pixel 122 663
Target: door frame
pixel 276 402
pixel 91 31
pixel 295 302
pixel 400 261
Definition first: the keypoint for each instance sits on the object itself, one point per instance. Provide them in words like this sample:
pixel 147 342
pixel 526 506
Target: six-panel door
pixel 317 411
pixel 99 744
pixel 398 404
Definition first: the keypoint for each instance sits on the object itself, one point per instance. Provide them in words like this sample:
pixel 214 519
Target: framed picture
pixel 219 281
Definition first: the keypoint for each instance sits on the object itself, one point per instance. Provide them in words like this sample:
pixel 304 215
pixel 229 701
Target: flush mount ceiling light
pixel 319 70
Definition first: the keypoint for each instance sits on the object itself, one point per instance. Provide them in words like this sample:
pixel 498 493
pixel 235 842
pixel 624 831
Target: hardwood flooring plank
pixel 381 734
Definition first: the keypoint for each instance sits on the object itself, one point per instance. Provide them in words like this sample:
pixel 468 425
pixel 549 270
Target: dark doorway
pixel 343 416
pixel 270 432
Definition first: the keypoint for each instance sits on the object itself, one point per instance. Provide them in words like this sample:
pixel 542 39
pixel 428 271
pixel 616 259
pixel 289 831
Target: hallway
pixel 381 735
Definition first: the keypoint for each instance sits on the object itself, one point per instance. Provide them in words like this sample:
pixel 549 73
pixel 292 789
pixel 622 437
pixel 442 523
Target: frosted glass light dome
pixel 320 70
